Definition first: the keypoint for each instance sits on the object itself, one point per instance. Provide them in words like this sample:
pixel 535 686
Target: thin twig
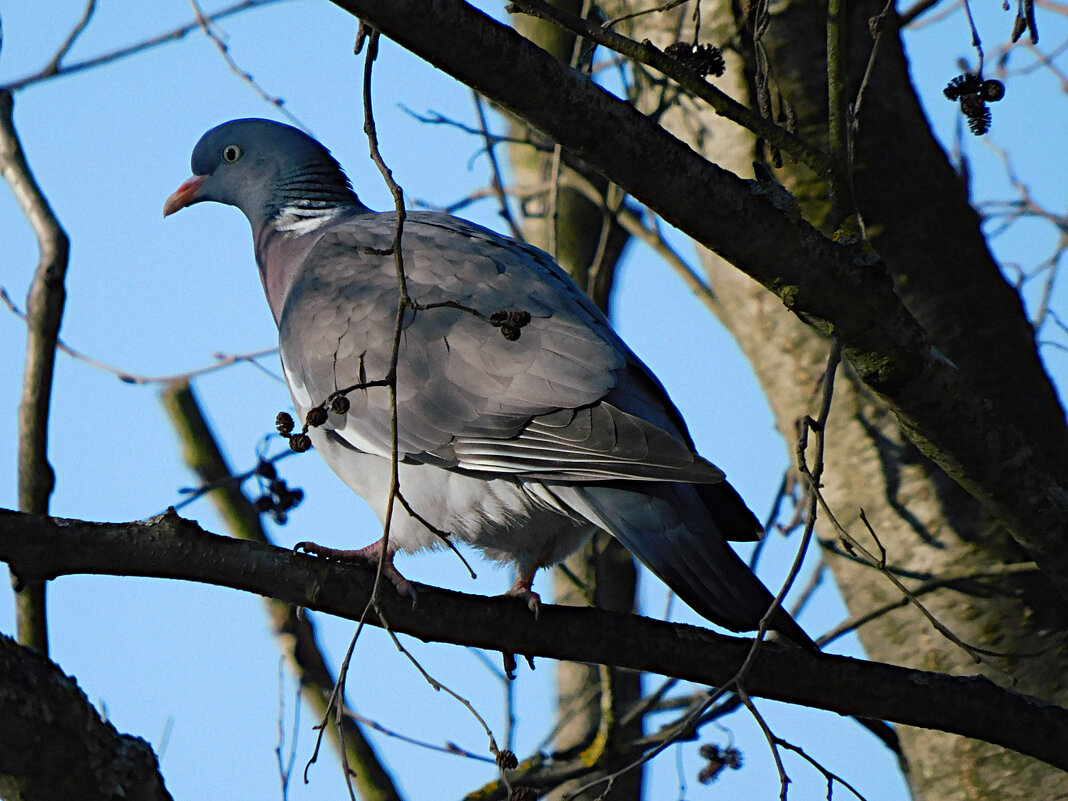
pixel 773 741
pixel 878 29
pixel 489 143
pixel 778 742
pixel 206 25
pixel 79 27
pixel 977 43
pixel 128 377
pixel 943 580
pixel 285 763
pixel 172 35
pixel 670 4
pixel 689 80
pixel 448 748
pixel 851 544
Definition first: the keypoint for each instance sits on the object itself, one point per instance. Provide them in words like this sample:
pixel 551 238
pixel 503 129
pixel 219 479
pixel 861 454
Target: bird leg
pixel 369 555
pixel 521 589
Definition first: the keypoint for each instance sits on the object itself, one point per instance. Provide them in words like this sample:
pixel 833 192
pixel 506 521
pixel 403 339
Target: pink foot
pixel 369 555
pixel 521 589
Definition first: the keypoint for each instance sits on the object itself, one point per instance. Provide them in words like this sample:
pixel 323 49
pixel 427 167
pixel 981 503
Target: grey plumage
pixel 522 448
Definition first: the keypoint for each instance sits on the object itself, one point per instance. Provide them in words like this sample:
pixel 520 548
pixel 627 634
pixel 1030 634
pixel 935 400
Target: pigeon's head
pixel 262 167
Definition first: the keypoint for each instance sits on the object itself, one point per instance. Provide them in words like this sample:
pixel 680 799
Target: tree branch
pixel 835 287
pixel 44 312
pixel 43 548
pixel 54 744
pixel 294 632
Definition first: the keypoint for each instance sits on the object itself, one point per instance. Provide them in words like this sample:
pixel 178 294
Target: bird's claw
pixel 371 555
pixel 528 596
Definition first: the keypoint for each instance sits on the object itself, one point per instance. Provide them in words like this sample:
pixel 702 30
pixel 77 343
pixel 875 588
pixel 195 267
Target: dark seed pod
pixel 340 405
pixel 732 758
pixel 979 123
pixel 704 59
pixel 300 443
pixel 966 84
pixel 506 760
pixel 316 416
pixel 284 423
pixel 709 772
pixel 992 91
pixel 264 504
pixel 266 470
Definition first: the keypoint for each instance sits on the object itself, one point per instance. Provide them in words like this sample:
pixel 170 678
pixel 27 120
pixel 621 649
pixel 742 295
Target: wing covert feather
pixel 466 395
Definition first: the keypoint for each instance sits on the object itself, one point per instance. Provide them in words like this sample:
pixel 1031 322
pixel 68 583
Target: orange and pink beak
pixel 185 196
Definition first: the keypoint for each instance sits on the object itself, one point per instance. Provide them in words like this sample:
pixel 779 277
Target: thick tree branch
pixel 837 288
pixel 168 546
pixel 54 744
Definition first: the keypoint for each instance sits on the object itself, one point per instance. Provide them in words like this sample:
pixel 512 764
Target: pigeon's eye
pixel 231 153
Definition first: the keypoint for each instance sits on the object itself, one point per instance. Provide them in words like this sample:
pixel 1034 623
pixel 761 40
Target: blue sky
pixel 161 297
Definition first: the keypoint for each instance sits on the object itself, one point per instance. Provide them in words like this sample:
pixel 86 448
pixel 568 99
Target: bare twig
pixel 670 4
pixel 489 143
pixel 437 685
pixel 79 27
pixel 207 25
pixel 977 43
pixel 921 7
pixel 128 377
pixel 175 34
pixel 649 233
pixel 286 761
pixel 403 301
pixel 879 563
pixel 448 748
pixel 942 580
pixel 688 79
pixel 878 29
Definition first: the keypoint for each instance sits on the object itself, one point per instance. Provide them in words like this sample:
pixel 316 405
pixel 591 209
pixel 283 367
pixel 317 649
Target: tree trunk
pixel 591 700
pixel 916 213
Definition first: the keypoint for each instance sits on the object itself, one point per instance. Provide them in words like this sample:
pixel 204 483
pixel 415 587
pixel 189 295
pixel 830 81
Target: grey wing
pixel 467 397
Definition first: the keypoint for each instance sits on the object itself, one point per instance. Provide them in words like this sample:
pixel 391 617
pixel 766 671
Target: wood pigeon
pixel 524 423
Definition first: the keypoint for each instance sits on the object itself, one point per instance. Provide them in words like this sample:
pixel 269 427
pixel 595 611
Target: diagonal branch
pixel 295 632
pixel 168 546
pixel 836 287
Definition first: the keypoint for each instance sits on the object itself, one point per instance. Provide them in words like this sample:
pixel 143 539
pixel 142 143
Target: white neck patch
pixel 296 221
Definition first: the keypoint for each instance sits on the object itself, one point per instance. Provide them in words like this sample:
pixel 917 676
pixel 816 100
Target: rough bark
pixel 917 214
pixel 54 744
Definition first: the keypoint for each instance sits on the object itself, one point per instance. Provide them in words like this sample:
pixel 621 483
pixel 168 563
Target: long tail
pixel 674 529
